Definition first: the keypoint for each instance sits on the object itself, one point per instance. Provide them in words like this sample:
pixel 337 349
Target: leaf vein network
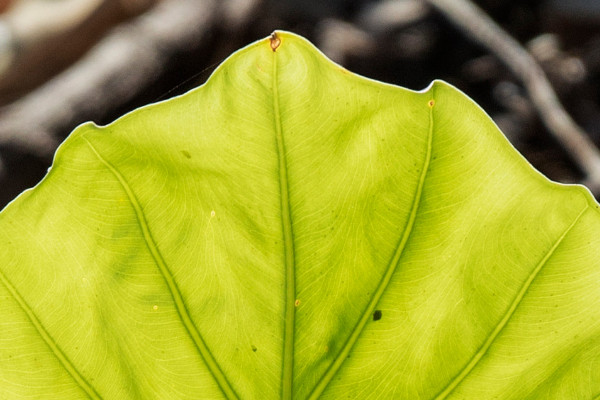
pixel 176 295
pixel 392 265
pixel 50 342
pixel 507 315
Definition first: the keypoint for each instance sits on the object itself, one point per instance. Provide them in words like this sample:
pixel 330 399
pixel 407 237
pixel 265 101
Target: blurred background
pixel 63 62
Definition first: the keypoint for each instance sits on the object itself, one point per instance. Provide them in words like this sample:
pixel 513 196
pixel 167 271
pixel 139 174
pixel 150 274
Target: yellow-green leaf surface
pixel 290 230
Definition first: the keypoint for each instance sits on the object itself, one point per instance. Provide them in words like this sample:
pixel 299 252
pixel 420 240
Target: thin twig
pixel 481 28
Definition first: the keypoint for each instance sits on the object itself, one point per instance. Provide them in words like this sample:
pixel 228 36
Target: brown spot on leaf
pixel 275 41
pixel 431 103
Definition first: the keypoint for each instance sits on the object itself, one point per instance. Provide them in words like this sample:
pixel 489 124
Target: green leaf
pixel 292 230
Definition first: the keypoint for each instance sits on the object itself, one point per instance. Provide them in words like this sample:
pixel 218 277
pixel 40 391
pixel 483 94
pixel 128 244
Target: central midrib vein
pixel 385 280
pixel 178 301
pixel 288 246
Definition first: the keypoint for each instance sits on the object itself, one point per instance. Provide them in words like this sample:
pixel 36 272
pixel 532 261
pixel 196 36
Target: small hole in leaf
pixel 377 315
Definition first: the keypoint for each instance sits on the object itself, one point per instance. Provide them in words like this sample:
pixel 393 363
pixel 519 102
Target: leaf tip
pixel 275 41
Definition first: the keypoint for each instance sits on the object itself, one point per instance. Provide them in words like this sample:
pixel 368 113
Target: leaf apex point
pixel 275 41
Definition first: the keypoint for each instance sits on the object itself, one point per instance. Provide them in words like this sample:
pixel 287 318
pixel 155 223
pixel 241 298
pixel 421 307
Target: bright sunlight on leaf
pixel 290 230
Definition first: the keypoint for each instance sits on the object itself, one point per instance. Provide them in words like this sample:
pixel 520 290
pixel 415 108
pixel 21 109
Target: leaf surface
pixel 292 230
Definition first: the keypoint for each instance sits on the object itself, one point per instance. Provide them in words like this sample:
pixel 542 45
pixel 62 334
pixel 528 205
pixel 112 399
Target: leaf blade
pixel 367 166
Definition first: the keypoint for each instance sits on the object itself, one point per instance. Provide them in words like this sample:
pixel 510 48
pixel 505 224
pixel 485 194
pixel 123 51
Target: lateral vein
pixel 391 269
pixel 56 350
pixel 507 316
pixel 180 306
